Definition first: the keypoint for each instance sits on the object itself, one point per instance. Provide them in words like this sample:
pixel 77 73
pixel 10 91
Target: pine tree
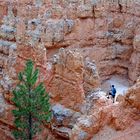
pixel 32 104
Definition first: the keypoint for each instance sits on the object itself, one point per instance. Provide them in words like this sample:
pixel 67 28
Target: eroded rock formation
pixel 72 78
pixel 109 29
pixel 117 119
pixel 101 38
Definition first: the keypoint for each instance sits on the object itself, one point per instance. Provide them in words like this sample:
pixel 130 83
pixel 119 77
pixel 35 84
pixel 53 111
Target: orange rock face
pixel 133 95
pixel 66 84
pixel 101 38
pixel 108 29
pixel 111 121
pixel 72 78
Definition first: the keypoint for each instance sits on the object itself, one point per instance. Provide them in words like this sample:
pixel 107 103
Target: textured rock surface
pixel 109 29
pixel 133 95
pixel 111 121
pixel 72 78
pixel 105 31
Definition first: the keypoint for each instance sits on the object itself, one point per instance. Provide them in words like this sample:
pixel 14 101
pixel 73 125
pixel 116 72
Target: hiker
pixel 113 92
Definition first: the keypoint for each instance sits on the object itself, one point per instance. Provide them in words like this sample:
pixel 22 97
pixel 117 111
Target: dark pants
pixel 113 96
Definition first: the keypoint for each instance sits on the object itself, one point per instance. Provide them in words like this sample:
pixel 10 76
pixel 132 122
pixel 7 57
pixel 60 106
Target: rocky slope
pixel 101 38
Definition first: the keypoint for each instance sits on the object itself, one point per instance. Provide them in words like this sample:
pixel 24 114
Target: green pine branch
pixel 31 102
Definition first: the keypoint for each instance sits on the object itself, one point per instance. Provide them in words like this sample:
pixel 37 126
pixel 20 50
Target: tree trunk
pixel 30 127
pixel 30 118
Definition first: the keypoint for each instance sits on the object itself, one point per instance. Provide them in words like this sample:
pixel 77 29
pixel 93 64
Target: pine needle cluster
pixel 32 104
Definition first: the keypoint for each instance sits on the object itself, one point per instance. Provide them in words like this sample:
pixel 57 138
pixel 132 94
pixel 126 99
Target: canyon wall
pixel 76 44
pixel 105 31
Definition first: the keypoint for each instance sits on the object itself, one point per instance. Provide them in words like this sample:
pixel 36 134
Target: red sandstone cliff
pixel 100 39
